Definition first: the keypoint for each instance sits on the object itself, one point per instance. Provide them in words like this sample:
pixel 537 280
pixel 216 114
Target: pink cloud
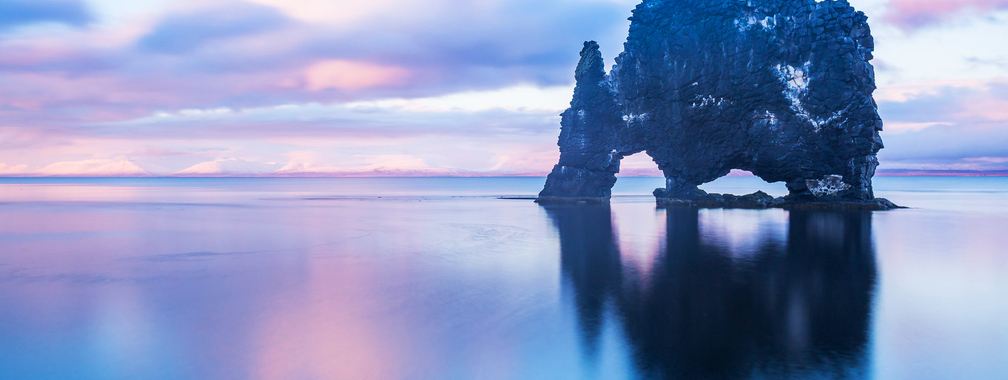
pixel 19 142
pixel 13 169
pixel 26 55
pixel 350 75
pixel 119 98
pixel 908 91
pixel 530 159
pixel 639 165
pixel 946 125
pixel 158 152
pixel 72 83
pixel 986 109
pixel 915 14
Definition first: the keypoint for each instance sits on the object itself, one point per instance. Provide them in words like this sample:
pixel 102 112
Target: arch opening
pixel 638 176
pixel 741 182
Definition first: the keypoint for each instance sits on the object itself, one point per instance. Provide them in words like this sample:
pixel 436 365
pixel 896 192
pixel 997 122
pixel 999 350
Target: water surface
pixel 437 278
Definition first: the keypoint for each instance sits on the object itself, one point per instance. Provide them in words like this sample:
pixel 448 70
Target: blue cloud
pixel 183 33
pixel 469 47
pixel 948 143
pixel 14 13
pixel 193 57
pixel 960 136
pixel 321 121
pixel 515 34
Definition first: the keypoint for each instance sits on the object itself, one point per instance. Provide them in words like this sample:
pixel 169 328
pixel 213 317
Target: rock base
pixel 570 200
pixel 760 200
pixel 755 201
pixel 877 204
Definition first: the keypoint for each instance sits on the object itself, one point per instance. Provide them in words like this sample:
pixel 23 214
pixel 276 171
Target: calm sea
pixel 436 278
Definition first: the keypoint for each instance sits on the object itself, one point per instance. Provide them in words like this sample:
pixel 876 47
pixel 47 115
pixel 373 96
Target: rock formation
pixel 780 88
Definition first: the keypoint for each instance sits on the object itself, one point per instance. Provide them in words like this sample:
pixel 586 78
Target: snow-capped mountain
pixel 93 168
pixel 227 167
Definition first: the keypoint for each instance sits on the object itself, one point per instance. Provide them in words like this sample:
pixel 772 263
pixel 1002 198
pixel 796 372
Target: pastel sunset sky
pixel 409 87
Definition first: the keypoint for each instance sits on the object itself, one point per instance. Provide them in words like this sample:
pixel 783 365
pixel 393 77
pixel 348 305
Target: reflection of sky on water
pixel 170 279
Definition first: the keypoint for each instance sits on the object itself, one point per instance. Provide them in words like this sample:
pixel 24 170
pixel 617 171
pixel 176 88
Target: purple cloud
pixel 954 125
pixel 916 14
pixel 81 92
pixel 242 55
pixel 183 33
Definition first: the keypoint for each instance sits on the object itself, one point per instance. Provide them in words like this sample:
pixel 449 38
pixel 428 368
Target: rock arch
pixel 780 88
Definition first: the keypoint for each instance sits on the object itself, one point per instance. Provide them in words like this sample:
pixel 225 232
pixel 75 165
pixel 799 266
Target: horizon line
pixel 880 173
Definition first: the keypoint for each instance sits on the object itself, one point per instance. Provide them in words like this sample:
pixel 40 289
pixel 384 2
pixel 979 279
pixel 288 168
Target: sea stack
pixel 780 88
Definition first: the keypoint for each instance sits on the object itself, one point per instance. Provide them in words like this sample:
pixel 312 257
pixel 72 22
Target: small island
pixel 779 88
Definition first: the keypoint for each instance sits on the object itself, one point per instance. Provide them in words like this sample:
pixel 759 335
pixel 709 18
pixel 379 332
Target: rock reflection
pixel 798 310
pixel 590 260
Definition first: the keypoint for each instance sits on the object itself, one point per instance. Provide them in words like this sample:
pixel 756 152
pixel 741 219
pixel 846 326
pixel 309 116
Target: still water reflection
pixel 799 309
pixel 438 279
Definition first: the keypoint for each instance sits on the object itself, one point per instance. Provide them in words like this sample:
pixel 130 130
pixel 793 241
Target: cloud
pixel 916 14
pixel 970 101
pixel 283 76
pixel 151 151
pixel 509 113
pixel 308 164
pixel 639 165
pixel 14 13
pixel 185 32
pixel 348 75
pixel 895 127
pixel 435 86
pixel 998 63
pixel 7 170
pixel 947 143
pixel 947 127
pixel 901 93
pixel 239 54
pixel 312 163
pixel 469 45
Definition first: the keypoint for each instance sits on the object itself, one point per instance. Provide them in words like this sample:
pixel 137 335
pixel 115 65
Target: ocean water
pixel 436 278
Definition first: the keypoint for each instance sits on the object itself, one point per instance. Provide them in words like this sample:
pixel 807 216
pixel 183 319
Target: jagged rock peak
pixel 591 67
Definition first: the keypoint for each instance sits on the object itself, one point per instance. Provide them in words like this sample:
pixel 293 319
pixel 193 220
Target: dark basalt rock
pixel 757 200
pixel 781 88
pixel 760 200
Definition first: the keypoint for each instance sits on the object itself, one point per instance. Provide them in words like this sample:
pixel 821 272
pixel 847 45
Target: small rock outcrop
pixel 780 88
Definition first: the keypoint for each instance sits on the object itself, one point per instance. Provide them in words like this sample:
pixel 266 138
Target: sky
pixel 410 87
